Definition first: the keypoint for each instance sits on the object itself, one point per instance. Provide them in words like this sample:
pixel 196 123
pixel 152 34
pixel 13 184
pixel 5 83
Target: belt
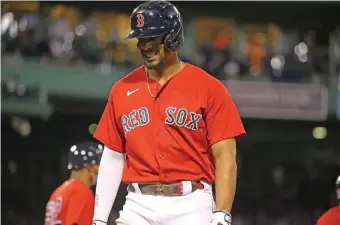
pixel 169 190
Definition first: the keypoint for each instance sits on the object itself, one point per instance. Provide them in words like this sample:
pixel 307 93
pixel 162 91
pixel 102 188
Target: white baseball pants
pixel 194 208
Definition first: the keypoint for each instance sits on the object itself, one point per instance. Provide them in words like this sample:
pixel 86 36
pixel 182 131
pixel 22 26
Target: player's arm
pixel 224 127
pixel 224 153
pixel 112 162
pixel 109 178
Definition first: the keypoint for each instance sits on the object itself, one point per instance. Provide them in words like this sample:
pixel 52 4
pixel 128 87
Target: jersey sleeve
pixel 221 115
pixel 80 208
pixel 332 216
pixel 107 130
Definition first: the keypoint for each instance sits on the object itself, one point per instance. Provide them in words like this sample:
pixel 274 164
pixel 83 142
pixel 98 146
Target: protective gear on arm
pixel 109 178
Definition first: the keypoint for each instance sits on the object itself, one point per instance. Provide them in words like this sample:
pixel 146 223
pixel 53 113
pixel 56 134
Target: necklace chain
pixel 147 81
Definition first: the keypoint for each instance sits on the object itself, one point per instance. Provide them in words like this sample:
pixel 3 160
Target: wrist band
pixel 223 211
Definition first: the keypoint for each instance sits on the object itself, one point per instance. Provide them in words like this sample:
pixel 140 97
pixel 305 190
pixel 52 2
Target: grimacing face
pixel 152 50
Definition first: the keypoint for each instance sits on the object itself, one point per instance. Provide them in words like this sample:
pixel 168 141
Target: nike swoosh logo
pixel 131 92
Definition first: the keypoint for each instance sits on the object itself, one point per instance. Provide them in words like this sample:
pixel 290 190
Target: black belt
pixel 160 189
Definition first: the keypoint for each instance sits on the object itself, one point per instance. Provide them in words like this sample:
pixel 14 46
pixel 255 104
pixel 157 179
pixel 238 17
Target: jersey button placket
pixel 157 131
pixel 157 88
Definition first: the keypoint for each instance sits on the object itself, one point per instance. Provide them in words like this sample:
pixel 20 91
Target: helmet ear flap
pixel 168 40
pixel 173 40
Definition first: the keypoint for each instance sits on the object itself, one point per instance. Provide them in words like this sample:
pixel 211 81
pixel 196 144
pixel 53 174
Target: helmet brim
pixel 145 33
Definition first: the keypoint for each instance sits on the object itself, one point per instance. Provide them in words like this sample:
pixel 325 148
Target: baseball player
pixel 72 202
pixel 169 130
pixel 332 216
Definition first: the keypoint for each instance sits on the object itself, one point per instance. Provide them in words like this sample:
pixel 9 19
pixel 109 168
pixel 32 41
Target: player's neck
pixel 78 175
pixel 167 71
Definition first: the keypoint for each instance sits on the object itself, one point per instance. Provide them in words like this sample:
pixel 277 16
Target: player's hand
pixel 221 217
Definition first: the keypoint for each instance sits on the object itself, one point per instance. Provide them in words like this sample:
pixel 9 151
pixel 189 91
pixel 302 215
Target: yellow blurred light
pixel 319 132
pixel 92 128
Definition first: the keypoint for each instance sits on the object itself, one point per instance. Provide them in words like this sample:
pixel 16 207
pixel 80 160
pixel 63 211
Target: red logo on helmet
pixel 140 20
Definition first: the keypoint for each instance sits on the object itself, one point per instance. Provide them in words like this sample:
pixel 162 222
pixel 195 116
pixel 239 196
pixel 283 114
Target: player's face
pixel 152 50
pixel 94 174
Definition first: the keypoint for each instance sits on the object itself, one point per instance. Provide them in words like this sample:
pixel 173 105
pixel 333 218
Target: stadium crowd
pixel 229 50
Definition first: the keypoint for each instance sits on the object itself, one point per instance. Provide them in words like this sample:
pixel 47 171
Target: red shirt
pixel 71 203
pixel 331 217
pixel 168 138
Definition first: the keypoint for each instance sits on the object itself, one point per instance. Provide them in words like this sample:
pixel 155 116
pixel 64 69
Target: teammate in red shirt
pixel 72 203
pixel 332 216
pixel 175 125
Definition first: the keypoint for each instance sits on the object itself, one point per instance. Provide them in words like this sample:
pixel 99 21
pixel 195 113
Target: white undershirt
pixel 109 179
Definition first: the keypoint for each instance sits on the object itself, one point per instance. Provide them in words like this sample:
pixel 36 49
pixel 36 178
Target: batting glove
pixel 221 217
pixel 98 222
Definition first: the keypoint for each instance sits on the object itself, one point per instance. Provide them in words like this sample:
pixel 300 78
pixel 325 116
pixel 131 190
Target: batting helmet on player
pixel 84 154
pixel 337 187
pixel 158 18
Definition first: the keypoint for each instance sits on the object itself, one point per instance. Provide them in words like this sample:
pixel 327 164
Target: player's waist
pixel 166 174
pixel 168 189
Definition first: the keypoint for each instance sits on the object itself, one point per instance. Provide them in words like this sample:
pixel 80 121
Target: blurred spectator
pixel 29 41
pixel 9 32
pixel 222 40
pixel 85 42
pixel 60 32
pixel 255 50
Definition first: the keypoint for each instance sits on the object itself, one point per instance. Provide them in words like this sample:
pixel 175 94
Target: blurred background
pixel 280 62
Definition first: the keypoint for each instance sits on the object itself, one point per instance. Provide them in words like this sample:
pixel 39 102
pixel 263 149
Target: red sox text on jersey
pixel 180 117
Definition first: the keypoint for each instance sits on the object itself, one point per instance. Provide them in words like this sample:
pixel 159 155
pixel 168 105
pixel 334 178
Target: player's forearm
pixel 225 184
pixel 109 179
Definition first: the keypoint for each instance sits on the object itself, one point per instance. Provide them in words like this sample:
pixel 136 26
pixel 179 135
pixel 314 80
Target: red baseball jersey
pixel 71 203
pixel 168 138
pixel 331 217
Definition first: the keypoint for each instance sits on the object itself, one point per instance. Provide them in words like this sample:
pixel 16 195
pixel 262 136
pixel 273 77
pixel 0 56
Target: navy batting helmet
pixel 84 154
pixel 158 18
pixel 337 187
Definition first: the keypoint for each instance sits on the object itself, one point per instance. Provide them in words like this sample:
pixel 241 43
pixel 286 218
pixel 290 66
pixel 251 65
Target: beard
pixel 159 60
pixel 155 65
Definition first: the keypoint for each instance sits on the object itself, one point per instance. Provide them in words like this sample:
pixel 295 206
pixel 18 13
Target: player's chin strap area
pixel 221 217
